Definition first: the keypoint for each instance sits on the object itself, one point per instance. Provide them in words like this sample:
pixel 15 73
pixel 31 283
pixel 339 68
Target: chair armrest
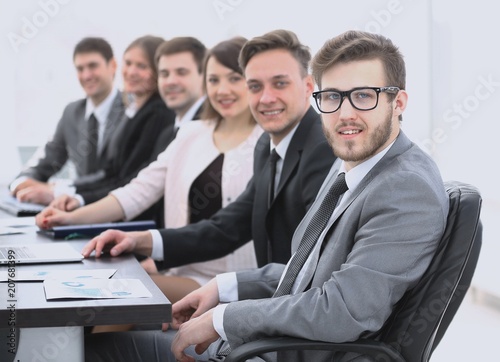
pixel 367 347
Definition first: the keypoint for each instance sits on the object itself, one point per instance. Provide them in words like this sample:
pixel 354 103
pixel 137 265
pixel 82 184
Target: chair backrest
pixel 424 313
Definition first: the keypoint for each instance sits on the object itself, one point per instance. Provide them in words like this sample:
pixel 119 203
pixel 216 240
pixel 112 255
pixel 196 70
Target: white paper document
pixel 94 289
pixel 7 230
pixel 41 275
pixel 18 222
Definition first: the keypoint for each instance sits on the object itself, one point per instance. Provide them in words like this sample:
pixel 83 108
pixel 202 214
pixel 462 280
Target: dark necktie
pixel 273 158
pixel 311 234
pixel 92 139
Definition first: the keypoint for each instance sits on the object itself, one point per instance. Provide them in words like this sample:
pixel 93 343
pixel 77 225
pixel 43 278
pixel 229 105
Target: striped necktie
pixel 92 139
pixel 311 234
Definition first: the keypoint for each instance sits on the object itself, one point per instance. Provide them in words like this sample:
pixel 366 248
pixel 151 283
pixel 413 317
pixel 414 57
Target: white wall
pixel 40 79
pixel 450 47
pixel 466 96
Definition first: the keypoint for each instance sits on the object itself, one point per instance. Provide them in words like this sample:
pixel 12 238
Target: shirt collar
pixel 102 110
pixel 190 113
pixel 356 174
pixel 282 147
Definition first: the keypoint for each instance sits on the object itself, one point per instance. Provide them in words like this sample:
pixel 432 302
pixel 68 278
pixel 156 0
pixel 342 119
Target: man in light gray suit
pixel 379 240
pixel 376 241
pixel 96 67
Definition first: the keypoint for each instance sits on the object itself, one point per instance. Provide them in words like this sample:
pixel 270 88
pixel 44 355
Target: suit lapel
pixel 197 115
pixel 263 179
pixel 81 121
pixel 295 148
pixel 260 202
pixel 82 127
pixel 112 122
pixel 401 144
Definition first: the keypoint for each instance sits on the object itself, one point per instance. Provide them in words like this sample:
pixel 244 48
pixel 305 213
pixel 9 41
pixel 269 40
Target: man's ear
pixel 309 84
pixel 400 102
pixel 112 63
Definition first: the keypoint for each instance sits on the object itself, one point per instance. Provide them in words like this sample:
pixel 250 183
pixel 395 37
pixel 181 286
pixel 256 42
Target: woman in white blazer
pixel 205 168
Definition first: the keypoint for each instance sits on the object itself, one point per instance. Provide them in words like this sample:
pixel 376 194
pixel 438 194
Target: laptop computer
pixel 91 230
pixel 38 253
pixel 14 207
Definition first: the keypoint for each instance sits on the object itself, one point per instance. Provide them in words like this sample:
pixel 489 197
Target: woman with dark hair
pixel 205 168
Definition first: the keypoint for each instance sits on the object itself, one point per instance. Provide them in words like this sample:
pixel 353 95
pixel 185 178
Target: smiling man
pixel 73 140
pixel 180 77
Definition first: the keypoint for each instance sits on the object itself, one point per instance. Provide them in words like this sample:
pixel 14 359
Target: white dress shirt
pixel 189 115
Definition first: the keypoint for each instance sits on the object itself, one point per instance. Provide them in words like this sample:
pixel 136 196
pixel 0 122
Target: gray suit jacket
pixel 70 134
pixel 377 247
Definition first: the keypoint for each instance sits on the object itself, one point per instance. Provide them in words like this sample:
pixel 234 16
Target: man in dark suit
pixel 180 77
pixel 96 67
pixel 280 102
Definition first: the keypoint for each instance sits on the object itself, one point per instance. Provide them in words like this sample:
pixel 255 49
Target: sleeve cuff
pixel 228 287
pixel 80 199
pixel 16 182
pixel 218 320
pixel 64 188
pixel 157 250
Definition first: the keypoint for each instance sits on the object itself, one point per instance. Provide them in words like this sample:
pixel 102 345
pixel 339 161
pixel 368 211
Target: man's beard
pixel 379 137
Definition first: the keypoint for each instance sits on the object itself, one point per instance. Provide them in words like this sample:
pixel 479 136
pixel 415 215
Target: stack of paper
pixel 42 274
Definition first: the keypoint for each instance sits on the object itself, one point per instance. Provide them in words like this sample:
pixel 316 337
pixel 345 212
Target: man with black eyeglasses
pixel 374 241
pixel 366 240
pixel 362 98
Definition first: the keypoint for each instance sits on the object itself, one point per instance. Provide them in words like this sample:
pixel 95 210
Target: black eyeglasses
pixel 362 98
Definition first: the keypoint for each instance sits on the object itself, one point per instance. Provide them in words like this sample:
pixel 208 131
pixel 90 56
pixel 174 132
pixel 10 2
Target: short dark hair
pixel 183 44
pixel 226 53
pixel 277 39
pixel 94 44
pixel 356 45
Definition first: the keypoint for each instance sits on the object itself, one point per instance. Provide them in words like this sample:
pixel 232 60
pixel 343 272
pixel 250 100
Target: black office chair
pixel 422 316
